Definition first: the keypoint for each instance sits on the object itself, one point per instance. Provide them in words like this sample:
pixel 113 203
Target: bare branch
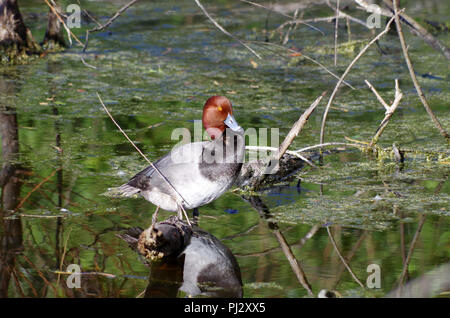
pixel 380 99
pixel 102 27
pixel 413 75
pixel 336 88
pixel 413 26
pixel 389 111
pixel 298 126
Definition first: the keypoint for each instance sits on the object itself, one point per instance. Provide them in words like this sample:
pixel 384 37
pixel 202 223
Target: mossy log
pixel 162 240
pixel 257 175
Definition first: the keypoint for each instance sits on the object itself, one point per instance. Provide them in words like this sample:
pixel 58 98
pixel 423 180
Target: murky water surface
pixel 155 67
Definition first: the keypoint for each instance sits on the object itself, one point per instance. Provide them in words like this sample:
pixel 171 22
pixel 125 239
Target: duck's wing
pixel 181 156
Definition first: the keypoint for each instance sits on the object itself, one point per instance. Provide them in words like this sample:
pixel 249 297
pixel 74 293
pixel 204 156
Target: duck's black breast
pixel 225 165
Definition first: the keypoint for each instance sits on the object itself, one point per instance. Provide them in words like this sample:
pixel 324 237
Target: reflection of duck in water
pixel 185 260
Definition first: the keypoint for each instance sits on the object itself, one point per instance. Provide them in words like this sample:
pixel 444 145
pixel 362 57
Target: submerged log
pixel 16 40
pixel 256 175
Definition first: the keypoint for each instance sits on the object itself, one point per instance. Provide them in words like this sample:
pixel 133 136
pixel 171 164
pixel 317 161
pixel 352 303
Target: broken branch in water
pixel 298 126
pixel 256 173
pixel 389 109
pixel 413 75
pixel 336 88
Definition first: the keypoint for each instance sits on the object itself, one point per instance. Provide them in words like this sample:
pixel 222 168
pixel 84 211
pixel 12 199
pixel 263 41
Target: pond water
pixel 155 67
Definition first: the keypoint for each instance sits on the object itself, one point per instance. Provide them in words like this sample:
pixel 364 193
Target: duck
pixel 194 174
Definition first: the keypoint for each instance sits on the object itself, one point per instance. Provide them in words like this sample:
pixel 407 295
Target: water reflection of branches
pixel 264 213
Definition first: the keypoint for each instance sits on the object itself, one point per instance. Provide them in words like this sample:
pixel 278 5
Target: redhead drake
pixel 198 172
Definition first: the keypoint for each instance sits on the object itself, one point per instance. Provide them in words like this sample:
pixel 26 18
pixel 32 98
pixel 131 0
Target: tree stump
pixel 16 41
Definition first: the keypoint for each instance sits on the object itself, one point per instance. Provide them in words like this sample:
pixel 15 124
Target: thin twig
pixel 89 15
pixel 101 27
pixel 37 216
pixel 290 29
pixel 349 257
pixel 324 19
pixel 40 274
pixel 114 17
pixel 225 31
pixel 336 88
pixel 346 16
pixel 34 189
pixel 413 75
pixel 145 157
pixel 264 44
pixel 413 26
pixel 412 246
pixel 281 13
pixel 293 153
pixel 342 258
pixel 308 235
pixel 380 99
pixel 61 263
pixel 327 144
pixel 349 31
pixel 16 280
pixel 336 25
pixel 389 111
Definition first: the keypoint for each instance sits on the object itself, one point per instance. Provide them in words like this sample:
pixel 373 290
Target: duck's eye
pixel 219 108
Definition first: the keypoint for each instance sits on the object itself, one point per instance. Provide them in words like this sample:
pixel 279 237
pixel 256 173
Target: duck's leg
pixel 195 215
pixel 155 215
pixel 181 212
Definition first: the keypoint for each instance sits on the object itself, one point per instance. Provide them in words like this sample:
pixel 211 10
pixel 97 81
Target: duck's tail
pixel 124 190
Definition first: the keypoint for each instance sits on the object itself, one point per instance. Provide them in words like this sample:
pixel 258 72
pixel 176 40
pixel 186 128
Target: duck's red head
pixel 218 115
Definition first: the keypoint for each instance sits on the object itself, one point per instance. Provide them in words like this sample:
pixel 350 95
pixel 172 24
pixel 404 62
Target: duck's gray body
pixel 196 170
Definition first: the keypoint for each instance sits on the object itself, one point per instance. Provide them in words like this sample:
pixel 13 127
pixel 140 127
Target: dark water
pixel 156 66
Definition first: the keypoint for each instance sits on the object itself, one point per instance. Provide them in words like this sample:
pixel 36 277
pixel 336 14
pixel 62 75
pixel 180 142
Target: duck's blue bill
pixel 232 123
